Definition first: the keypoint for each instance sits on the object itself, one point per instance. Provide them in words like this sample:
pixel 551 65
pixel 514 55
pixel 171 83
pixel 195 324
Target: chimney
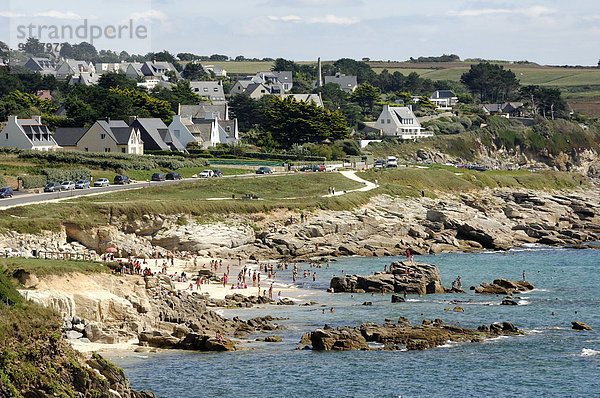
pixel 107 119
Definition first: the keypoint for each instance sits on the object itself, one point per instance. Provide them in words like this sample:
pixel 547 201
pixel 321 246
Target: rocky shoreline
pixel 487 220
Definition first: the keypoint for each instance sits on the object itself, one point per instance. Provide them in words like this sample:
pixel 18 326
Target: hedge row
pixel 225 154
pixel 114 160
pixel 60 175
pixel 34 181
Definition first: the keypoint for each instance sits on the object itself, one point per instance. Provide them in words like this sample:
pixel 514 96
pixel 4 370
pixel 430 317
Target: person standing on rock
pixel 271 292
pixel 523 275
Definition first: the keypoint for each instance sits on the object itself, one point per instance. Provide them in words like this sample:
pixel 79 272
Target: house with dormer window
pixel 400 121
pixel 27 134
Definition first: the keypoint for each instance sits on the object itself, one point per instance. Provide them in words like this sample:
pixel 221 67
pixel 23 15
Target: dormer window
pixel 102 136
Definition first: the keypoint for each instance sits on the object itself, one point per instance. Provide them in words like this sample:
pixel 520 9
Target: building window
pixel 389 121
pixel 106 149
pixel 216 90
pixel 6 135
pixel 228 129
pixel 102 136
pixel 206 89
pixel 124 150
pixel 86 149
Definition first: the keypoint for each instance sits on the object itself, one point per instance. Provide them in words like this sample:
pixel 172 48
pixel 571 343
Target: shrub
pixel 35 181
pixel 67 174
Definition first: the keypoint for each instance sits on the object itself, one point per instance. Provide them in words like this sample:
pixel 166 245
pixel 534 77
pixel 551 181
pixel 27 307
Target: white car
pixel 206 174
pixel 330 167
pixel 67 185
pixel 101 182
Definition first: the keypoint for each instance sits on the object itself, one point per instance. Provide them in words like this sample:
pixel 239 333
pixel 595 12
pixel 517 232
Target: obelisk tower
pixel 319 73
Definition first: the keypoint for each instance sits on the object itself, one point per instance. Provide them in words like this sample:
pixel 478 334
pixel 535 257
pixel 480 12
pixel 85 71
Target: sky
pixel 549 32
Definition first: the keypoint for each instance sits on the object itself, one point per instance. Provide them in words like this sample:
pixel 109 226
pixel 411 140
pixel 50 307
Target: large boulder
pixel 581 326
pixel 340 339
pixel 504 287
pixel 405 277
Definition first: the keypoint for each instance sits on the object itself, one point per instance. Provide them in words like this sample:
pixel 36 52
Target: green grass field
pixel 544 76
pixel 292 192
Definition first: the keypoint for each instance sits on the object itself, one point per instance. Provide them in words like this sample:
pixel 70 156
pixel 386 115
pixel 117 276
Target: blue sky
pixel 548 32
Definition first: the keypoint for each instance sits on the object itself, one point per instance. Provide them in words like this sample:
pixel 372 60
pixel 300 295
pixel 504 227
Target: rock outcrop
pixel 399 336
pixel 404 277
pixel 504 287
pixel 581 326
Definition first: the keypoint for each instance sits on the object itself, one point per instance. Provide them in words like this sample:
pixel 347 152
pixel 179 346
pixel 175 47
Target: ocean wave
pixel 534 331
pixel 523 302
pixel 449 344
pixel 588 352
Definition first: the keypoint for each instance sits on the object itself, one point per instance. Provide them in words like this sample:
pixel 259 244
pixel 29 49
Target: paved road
pixel 23 198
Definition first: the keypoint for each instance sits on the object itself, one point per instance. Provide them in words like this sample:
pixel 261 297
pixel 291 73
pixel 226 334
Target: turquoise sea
pixel 551 360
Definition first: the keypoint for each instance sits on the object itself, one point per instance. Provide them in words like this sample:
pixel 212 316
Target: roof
pixel 69 136
pixel 211 89
pixel 122 134
pixel 151 130
pixel 441 94
pixel 305 98
pixel 201 110
pixel 200 129
pixel 255 86
pixel 345 82
pixel 402 112
pixel 38 134
pixel 172 141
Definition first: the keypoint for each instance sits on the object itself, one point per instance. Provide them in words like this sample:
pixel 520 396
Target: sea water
pixel 551 360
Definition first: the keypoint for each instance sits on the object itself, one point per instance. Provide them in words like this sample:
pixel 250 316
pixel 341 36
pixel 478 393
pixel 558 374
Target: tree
pixel 365 95
pixel 333 97
pixel 293 122
pixel 4 50
pixel 112 79
pixel 491 82
pixel 361 70
pixel 249 113
pixel 194 71
pixel 33 47
pixel 284 65
pixel 181 93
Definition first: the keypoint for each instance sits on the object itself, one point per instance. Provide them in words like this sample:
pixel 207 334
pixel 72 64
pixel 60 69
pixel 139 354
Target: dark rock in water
pixel 396 298
pixel 115 377
pixel 508 302
pixel 405 277
pixel 458 309
pixel 403 319
pixel 427 322
pixel 273 339
pixel 286 301
pixel 199 342
pixel 581 326
pixel 393 337
pixel 367 303
pixel 457 290
pixel 504 287
pixel 340 339
pixel 388 320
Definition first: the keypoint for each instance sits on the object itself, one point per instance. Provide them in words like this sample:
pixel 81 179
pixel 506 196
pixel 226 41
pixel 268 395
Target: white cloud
pixel 149 16
pixel 59 15
pixel 328 19
pixel 286 18
pixel 533 12
pixel 334 20
pixel 8 14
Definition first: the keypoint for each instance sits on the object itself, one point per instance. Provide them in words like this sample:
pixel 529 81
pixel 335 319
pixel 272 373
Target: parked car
pixel 263 170
pixel 217 173
pixel 392 161
pixel 121 179
pixel 68 185
pixel 206 174
pixel 330 167
pixel 172 175
pixel 53 187
pixel 6 192
pixel 101 182
pixel 379 164
pixel 158 177
pixel 82 184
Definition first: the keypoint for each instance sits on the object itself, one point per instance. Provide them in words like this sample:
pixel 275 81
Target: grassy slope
pixel 275 192
pixel 43 267
pixel 293 192
pixel 449 179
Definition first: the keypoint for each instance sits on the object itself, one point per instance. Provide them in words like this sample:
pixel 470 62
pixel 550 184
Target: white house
pixel 206 132
pixel 400 121
pixel 73 67
pixel 208 90
pixel 444 99
pixel 27 134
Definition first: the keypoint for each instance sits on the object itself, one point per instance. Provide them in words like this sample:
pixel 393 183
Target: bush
pixel 2 181
pixel 67 174
pixel 35 181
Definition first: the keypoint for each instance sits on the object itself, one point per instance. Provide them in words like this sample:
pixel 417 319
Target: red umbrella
pixel 111 249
